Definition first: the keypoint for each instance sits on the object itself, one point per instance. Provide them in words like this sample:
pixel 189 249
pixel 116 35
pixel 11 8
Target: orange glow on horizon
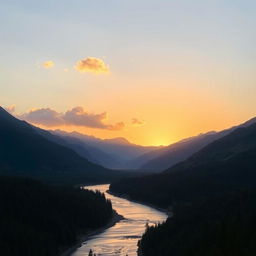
pixel 146 137
pixel 172 109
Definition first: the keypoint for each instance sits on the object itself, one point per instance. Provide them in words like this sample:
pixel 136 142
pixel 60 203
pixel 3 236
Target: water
pixel 122 238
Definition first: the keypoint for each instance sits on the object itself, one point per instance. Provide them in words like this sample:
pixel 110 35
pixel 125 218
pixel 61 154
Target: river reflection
pixel 121 239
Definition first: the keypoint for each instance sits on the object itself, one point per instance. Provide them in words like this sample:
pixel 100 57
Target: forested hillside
pixel 226 164
pixel 217 226
pixel 42 220
pixel 212 196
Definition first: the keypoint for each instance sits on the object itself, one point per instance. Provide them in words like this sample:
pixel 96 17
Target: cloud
pixel 75 117
pixel 48 64
pixel 117 127
pixel 136 122
pixel 44 116
pixel 92 65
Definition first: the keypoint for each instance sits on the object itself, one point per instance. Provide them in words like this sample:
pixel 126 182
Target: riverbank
pixel 122 238
pixel 116 218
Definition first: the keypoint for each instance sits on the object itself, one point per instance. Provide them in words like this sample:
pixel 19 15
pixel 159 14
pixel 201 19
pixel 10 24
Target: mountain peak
pixel 5 114
pixel 118 140
pixel 249 122
pixel 2 110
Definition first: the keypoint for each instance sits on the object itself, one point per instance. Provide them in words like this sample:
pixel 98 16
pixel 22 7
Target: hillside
pixel 116 153
pixel 24 152
pixel 163 158
pixel 167 157
pixel 226 164
pixel 212 197
pixel 218 226
pixel 85 150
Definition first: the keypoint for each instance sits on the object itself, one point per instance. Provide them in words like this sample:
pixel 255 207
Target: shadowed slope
pixel 169 156
pixel 24 152
pixel 228 163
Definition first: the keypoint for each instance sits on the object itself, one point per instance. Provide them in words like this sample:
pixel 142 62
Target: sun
pixel 160 142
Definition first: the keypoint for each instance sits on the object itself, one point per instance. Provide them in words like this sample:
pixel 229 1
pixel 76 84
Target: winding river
pixel 121 239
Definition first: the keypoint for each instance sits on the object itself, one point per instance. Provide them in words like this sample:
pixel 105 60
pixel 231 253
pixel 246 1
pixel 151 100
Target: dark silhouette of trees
pixel 224 165
pixel 213 198
pixel 42 220
pixel 219 226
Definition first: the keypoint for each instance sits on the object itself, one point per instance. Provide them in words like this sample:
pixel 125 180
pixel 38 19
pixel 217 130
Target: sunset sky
pixel 151 71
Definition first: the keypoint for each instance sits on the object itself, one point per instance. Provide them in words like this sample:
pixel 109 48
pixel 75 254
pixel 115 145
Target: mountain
pixel 25 152
pixel 93 154
pixel 160 159
pixel 225 164
pixel 118 140
pixel 211 196
pixel 116 153
pixel 167 157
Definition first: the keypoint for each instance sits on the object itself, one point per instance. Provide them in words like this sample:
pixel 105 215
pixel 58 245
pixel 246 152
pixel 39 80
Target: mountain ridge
pixel 226 164
pixel 24 152
pixel 119 149
pixel 183 149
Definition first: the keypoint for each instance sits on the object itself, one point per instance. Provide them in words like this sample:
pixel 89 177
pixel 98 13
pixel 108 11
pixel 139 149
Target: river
pixel 122 238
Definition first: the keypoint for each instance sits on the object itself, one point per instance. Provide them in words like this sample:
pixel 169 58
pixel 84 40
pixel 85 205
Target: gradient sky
pixel 179 67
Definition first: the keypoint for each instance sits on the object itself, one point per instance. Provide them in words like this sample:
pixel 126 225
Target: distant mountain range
pixel 210 180
pixel 116 153
pixel 56 155
pixel 119 153
pixel 31 152
pixel 226 164
pixel 166 157
pixel 85 150
pixel 211 196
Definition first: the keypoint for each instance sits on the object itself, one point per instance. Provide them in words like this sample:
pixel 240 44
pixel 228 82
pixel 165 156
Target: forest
pixel 212 198
pixel 225 165
pixel 219 226
pixel 44 220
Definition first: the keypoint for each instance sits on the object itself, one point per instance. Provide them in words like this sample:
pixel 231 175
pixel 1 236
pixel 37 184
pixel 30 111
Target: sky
pixel 151 71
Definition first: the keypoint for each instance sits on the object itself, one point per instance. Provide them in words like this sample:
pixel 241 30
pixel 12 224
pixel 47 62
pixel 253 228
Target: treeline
pixel 211 215
pixel 42 220
pixel 224 165
pixel 199 182
pixel 220 226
